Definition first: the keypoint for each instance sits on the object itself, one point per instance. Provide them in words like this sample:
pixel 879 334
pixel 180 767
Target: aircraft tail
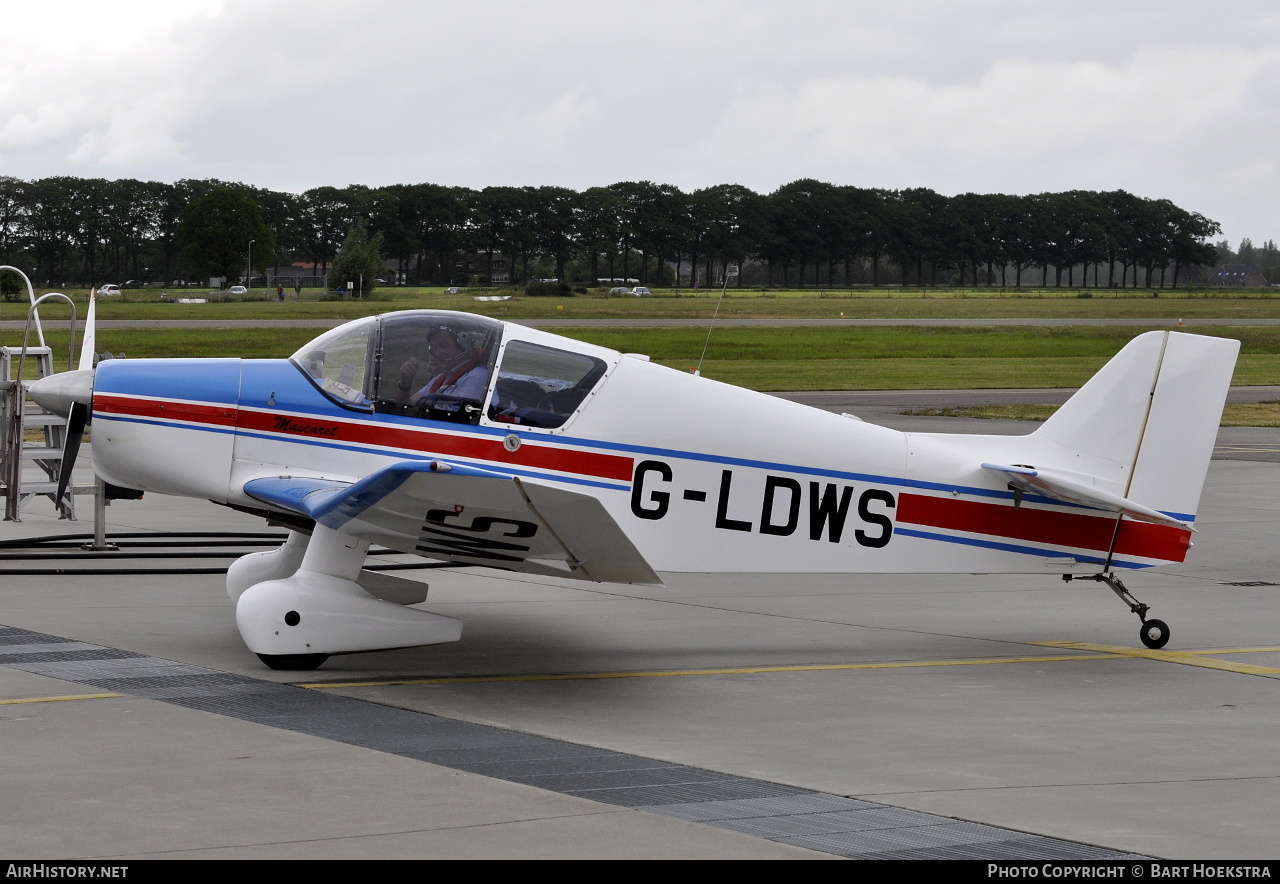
pixel 1145 425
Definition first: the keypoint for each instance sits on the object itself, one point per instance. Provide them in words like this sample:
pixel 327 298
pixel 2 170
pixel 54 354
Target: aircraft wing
pixel 1072 490
pixel 472 516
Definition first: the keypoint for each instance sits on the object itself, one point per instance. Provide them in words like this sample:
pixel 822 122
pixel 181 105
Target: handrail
pixel 26 331
pixel 17 396
pixel 31 296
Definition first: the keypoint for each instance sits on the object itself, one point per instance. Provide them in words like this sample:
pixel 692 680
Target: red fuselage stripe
pixel 219 415
pixel 1076 530
pixel 486 448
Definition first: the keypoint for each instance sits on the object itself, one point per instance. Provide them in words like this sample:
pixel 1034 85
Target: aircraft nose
pixel 57 392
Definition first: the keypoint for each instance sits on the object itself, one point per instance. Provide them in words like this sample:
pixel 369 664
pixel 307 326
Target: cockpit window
pixel 338 361
pixel 441 366
pixel 542 386
pixel 435 365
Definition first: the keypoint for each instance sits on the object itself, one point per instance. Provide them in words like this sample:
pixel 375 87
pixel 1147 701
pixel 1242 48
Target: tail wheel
pixel 1154 633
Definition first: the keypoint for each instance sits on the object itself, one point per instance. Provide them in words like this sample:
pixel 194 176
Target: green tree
pixel 502 226
pixel 359 261
pixel 13 212
pixel 1190 249
pixel 557 211
pixel 283 213
pixel 794 223
pixel 441 219
pixel 730 219
pixel 214 232
pixel 597 227
pixel 51 221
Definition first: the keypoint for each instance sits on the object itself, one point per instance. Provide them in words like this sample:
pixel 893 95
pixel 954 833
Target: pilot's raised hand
pixel 408 371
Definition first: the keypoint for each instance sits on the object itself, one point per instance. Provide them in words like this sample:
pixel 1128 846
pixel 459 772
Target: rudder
pixel 1144 426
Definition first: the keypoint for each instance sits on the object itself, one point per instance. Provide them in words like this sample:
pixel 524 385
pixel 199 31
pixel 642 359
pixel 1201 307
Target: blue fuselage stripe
pixel 870 478
pixel 1011 547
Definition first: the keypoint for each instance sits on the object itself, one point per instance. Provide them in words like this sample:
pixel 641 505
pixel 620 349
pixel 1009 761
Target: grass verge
pixel 882 303
pixel 785 359
pixel 1248 414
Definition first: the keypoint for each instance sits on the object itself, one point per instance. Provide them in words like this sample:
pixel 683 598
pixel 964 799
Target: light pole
pixel 248 279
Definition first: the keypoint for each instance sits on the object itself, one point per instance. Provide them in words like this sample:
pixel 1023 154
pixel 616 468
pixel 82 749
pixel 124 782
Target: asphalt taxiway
pixel 767 716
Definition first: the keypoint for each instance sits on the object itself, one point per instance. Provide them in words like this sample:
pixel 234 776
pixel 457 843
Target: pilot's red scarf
pixel 453 375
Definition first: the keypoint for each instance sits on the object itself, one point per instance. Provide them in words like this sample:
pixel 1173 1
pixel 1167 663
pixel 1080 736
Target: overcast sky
pixel 1169 99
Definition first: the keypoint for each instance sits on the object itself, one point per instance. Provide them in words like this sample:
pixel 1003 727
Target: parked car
pixel 108 291
pixel 640 290
pixel 620 290
pixel 237 290
pixel 453 290
pixel 131 284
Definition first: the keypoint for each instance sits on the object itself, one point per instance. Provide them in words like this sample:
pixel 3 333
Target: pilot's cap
pixel 461 338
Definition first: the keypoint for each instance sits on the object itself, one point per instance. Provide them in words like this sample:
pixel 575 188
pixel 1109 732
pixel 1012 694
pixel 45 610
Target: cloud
pixel 1150 125
pixel 139 133
pixel 985 96
pixel 1018 110
pixel 99 74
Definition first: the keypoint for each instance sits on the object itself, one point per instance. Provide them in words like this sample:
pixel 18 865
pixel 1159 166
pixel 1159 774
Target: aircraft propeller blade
pixel 70 394
pixel 76 421
pixel 90 332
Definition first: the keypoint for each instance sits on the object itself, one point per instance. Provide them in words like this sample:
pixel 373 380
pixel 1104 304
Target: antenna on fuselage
pixel 730 270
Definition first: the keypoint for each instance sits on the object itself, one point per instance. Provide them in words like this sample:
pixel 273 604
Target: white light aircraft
pixel 477 442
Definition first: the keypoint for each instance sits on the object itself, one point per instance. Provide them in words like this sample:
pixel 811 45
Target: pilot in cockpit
pixel 458 357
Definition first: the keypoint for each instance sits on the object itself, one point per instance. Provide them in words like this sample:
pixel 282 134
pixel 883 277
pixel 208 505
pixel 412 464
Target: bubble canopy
pixel 423 362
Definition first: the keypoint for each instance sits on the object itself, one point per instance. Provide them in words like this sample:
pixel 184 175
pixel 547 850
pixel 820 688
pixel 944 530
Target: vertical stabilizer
pixel 1182 424
pixel 1144 426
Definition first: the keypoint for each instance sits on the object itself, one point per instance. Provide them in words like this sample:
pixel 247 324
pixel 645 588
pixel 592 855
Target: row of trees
pixel 79 230
pixel 1264 258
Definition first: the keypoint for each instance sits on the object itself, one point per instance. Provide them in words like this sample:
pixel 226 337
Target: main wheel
pixel 293 661
pixel 1154 633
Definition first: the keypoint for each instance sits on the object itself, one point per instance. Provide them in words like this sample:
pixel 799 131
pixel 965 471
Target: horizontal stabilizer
pixel 1071 490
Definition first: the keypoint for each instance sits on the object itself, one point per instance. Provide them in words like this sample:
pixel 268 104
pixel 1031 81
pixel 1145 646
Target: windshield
pixel 338 361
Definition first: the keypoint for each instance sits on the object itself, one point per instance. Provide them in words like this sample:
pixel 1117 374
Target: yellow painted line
pixel 1186 658
pixel 60 699
pixel 1093 652
pixel 678 673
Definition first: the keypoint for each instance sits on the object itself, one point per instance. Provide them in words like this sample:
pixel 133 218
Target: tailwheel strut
pixel 1154 633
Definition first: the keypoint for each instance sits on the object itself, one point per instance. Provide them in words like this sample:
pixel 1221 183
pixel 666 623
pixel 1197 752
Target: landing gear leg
pixel 275 564
pixel 296 621
pixel 1154 633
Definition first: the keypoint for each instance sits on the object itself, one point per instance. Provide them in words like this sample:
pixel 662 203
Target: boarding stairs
pixel 31 439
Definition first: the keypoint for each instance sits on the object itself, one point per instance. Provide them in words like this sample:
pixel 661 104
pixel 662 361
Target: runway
pixel 1013 717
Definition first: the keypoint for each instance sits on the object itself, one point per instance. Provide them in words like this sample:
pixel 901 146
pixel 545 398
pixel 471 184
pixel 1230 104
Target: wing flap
pixel 599 544
pixel 463 514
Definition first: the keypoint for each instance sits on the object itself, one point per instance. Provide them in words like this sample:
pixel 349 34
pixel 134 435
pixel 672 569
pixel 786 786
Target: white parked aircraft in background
pixel 478 442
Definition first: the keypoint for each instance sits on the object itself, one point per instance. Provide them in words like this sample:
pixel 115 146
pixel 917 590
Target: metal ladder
pixel 18 414
pixel 29 468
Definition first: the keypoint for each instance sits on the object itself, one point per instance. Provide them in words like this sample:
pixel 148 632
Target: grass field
pixel 1252 414
pixel 772 359
pixel 883 303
